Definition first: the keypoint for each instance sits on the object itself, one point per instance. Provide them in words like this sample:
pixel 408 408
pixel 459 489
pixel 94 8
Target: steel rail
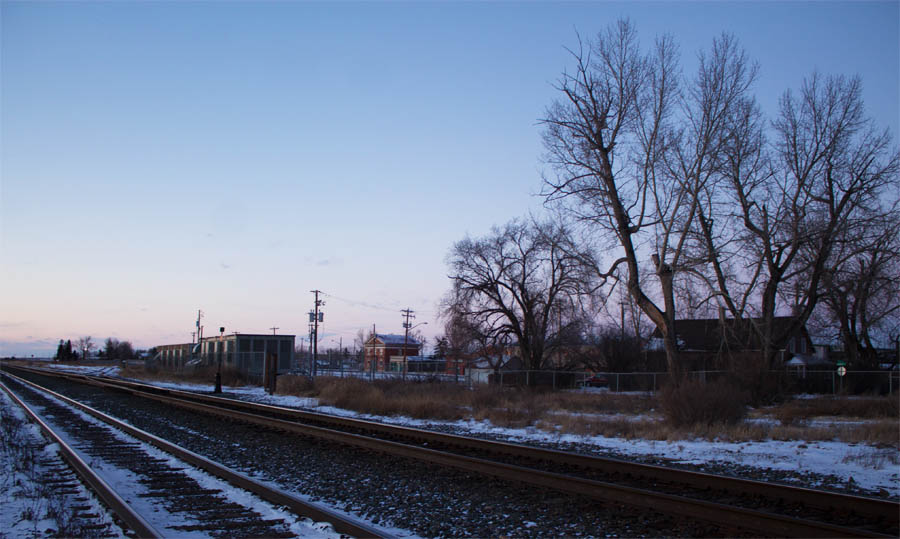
pixel 101 488
pixel 885 510
pixel 342 524
pixel 720 514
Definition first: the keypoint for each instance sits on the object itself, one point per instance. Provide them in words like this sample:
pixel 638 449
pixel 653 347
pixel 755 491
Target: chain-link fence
pixel 852 382
pixel 792 380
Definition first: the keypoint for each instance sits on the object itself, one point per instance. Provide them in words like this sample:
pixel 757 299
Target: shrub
pixel 763 387
pixel 294 385
pixel 233 377
pixel 700 403
pixel 863 408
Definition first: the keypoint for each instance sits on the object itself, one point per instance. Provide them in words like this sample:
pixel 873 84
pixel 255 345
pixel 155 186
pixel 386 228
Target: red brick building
pixel 380 347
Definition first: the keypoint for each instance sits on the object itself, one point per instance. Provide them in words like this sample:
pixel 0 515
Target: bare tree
pixel 85 344
pixel 861 288
pixel 512 285
pixel 822 176
pixel 624 167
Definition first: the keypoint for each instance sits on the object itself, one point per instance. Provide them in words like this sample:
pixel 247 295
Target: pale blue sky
pixel 163 157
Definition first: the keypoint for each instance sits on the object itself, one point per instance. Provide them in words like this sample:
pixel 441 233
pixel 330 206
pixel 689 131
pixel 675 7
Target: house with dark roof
pixel 704 343
pixel 381 347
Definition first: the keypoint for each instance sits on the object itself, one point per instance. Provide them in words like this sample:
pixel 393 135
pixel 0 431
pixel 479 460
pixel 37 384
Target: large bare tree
pixel 799 196
pixel 861 292
pixel 633 154
pixel 516 285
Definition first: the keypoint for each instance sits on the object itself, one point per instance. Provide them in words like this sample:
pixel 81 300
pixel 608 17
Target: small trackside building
pixel 246 352
pixel 173 356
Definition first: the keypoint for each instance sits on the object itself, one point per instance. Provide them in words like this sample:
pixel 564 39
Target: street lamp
pixel 406 341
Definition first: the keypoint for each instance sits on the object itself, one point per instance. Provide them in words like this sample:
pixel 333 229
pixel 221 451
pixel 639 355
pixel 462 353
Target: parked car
pixel 596 380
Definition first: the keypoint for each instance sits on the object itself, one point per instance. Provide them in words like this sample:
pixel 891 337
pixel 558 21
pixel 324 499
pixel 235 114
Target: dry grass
pixel 857 407
pixel 697 403
pixel 427 400
pixel 294 385
pixel 231 377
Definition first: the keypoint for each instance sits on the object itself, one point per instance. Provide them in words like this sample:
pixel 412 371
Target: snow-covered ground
pixel 28 507
pixel 868 467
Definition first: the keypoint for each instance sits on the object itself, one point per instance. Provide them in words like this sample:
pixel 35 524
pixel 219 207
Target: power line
pixel 361 303
pixel 367 305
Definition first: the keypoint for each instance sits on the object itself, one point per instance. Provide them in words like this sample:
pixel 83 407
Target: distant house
pixel 381 349
pixel 703 342
pixel 460 364
pixel 801 363
pixel 481 371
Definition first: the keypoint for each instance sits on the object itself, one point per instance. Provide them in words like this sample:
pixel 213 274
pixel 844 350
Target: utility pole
pixel 199 329
pixel 273 329
pixel 374 357
pixel 408 314
pixel 317 317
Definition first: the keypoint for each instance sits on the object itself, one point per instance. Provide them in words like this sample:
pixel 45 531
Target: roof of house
pixel 172 346
pixel 806 360
pixel 393 340
pixel 708 333
pixel 245 335
pixel 505 363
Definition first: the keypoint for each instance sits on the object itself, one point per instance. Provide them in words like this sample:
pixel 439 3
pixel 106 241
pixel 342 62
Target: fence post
pixel 617 382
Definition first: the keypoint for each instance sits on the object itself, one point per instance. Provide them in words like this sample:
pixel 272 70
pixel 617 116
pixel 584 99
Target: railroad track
pixel 161 499
pixel 739 504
